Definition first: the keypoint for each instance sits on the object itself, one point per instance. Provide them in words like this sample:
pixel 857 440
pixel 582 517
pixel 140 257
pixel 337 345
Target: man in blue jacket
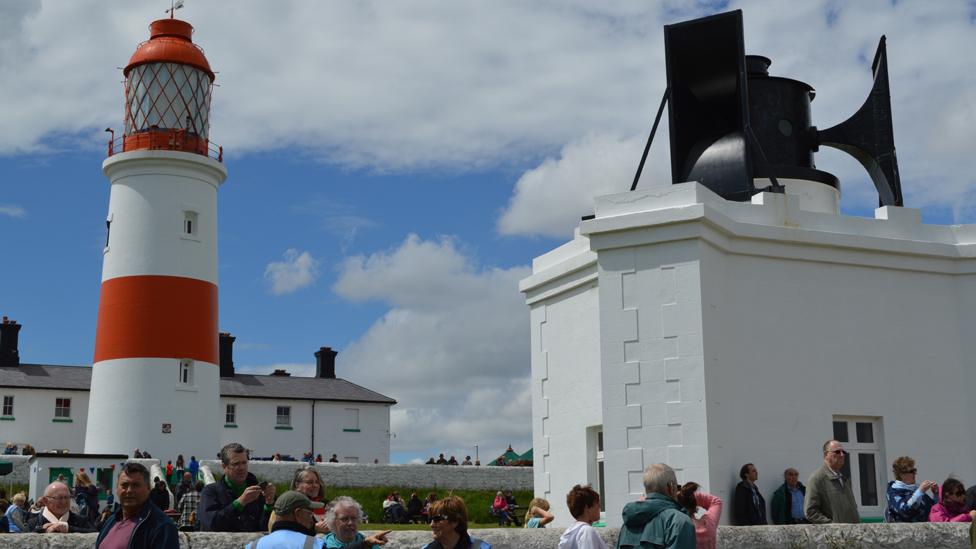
pixel 138 524
pixel 658 521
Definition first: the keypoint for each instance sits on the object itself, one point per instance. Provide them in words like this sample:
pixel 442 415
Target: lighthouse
pixel 155 379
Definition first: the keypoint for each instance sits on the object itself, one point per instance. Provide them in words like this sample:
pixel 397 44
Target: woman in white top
pixel 584 505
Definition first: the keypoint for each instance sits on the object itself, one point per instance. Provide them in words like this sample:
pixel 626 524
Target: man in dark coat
pixel 138 524
pixel 748 507
pixel 56 515
pixel 787 502
pixel 160 495
pixel 235 503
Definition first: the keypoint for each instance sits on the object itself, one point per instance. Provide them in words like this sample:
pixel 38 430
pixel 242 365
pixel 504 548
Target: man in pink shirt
pixel 139 524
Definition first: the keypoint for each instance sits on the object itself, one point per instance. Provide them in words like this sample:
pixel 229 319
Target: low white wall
pixel 903 536
pixel 421 476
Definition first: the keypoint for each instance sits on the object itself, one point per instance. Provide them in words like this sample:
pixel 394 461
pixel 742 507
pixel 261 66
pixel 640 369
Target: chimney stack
pixel 325 362
pixel 280 373
pixel 9 355
pixel 227 354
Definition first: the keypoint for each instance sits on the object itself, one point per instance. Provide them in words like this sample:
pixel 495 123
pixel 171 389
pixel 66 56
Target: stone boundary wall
pixel 356 475
pixel 21 472
pixel 866 536
pixel 363 475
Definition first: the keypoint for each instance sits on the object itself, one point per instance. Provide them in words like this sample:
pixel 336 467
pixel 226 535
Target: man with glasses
pixel 830 496
pixel 343 518
pixel 56 516
pixel 235 503
pixel 294 524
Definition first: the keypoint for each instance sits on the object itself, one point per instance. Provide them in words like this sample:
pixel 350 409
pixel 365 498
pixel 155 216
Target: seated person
pixel 415 508
pixel 393 511
pixel 499 509
pixel 56 516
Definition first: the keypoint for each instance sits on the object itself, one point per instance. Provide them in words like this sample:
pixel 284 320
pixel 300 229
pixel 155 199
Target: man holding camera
pixel 236 502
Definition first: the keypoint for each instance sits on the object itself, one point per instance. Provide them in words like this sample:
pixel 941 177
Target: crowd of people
pixel 149 514
pixel 452 461
pixel 12 449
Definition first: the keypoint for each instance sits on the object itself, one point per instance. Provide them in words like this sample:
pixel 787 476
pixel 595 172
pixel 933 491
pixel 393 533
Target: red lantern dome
pixel 168 83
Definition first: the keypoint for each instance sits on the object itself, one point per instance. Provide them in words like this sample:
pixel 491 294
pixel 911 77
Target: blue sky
pixel 395 167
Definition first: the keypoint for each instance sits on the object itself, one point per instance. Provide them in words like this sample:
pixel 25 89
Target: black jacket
pixel 744 510
pixel 153 529
pixel 77 524
pixel 217 514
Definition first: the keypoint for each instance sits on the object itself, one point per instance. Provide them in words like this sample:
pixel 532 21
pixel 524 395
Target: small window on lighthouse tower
pixel 189 223
pixel 186 372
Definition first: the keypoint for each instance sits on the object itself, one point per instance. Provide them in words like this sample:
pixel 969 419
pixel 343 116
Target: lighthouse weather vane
pixel 173 6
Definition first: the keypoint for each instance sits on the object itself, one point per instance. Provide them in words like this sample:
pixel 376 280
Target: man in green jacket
pixel 658 521
pixel 830 497
pixel 787 502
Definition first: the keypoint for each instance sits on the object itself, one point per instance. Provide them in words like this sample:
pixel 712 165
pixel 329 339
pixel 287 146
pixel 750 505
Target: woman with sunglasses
pixel 952 505
pixel 449 525
pixel 908 501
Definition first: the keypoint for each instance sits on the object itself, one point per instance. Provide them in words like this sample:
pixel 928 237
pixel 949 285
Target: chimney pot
pixel 325 363
pixel 9 355
pixel 227 354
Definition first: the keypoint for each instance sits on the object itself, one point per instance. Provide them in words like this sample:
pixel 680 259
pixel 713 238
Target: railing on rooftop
pixel 165 140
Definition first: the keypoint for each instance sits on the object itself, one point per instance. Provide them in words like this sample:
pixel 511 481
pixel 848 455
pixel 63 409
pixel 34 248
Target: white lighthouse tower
pixel 155 384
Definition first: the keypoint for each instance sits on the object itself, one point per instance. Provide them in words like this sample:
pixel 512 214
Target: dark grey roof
pixel 78 378
pixel 303 388
pixel 43 376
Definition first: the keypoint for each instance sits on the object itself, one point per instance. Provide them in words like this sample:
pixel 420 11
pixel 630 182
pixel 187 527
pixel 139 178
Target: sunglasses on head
pixel 438 518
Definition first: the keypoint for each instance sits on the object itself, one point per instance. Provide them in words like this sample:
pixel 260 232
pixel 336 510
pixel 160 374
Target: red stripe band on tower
pixel 152 316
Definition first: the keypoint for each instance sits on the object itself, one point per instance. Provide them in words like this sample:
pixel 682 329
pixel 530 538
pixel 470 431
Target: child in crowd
pixel 584 505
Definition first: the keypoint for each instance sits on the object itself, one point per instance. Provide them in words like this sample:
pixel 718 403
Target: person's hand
pixel 928 485
pixel 377 539
pixel 269 493
pixel 972 514
pixel 250 494
pixel 53 527
pixel 321 527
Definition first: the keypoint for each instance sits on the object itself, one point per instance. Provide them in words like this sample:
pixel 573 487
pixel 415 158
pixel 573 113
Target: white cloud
pixel 453 349
pixel 393 86
pixel 298 270
pixel 550 198
pixel 11 210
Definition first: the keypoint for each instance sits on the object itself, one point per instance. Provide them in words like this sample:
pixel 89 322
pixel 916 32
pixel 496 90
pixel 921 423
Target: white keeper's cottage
pixel 47 407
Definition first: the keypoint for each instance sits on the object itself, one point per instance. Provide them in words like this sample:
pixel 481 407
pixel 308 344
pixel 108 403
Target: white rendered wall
pixel 34 423
pixel 735 332
pixel 256 429
pixel 133 397
pixel 564 320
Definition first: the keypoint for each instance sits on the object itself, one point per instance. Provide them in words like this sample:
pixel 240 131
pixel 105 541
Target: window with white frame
pixel 230 415
pixel 594 461
pixel 186 372
pixel 62 408
pixel 865 463
pixel 284 416
pixel 8 405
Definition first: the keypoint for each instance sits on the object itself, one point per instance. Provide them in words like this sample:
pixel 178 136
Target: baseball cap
pixel 291 500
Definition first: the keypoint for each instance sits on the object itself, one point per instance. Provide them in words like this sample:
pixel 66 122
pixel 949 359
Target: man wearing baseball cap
pixel 295 523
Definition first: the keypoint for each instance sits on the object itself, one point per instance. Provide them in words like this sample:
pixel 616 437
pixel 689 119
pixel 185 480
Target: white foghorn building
pixel 47 406
pixel 683 328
